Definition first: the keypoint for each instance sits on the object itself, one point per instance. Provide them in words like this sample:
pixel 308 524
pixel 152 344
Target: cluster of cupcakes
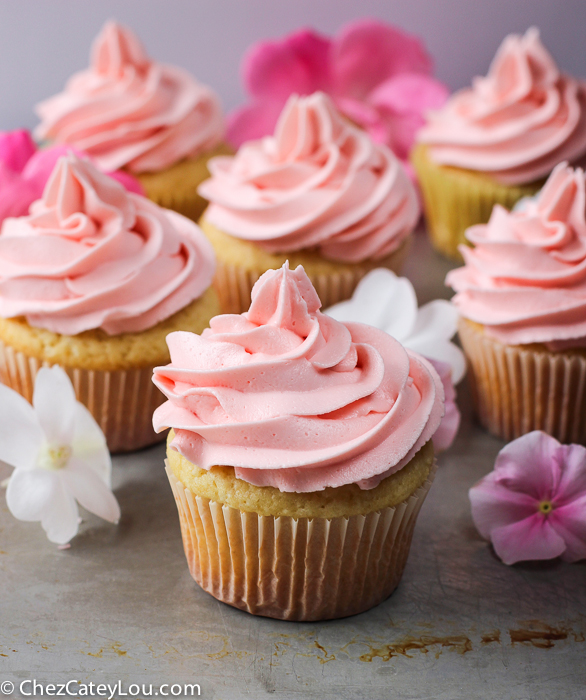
pixel 300 448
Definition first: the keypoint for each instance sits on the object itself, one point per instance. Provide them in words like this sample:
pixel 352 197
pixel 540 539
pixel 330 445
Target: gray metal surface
pixel 120 604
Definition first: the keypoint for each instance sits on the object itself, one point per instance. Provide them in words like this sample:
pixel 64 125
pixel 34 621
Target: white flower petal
pixel 437 320
pixel 30 493
pixel 54 402
pixel 91 492
pixel 61 519
pixel 89 444
pixel 444 352
pixel 20 433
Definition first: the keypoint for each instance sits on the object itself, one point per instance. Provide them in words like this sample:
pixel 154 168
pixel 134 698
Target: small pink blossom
pixel 533 504
pixel 378 76
pixel 24 172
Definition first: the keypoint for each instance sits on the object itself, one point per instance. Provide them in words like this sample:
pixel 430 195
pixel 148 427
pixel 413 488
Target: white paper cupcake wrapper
pixel 517 390
pixel 296 569
pixel 121 401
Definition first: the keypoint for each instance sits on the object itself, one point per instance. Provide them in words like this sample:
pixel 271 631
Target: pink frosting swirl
pixel 518 123
pixel 292 398
pixel 318 183
pixel 126 110
pixel 92 255
pixel 525 280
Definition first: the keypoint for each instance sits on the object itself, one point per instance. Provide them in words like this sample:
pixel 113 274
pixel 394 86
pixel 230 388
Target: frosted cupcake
pixel 127 111
pixel 300 454
pixel 522 298
pixel 319 193
pixel 497 141
pixel 93 279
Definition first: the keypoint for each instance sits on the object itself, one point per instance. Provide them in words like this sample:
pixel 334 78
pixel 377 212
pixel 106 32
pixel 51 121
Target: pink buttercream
pixel 525 280
pixel 318 183
pixel 518 123
pixel 294 399
pixel 127 110
pixel 92 255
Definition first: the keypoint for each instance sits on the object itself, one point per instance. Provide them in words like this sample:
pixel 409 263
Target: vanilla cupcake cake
pixel 93 279
pixel 319 193
pixel 300 453
pixel 128 111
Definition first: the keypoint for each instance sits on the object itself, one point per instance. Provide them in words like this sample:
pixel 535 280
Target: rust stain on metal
pixel 326 657
pixel 490 637
pixel 539 634
pixel 458 643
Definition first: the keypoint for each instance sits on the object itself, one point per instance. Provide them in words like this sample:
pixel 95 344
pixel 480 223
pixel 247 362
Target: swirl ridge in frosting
pixel 92 255
pixel 319 182
pixel 292 398
pixel 128 111
pixel 525 279
pixel 518 122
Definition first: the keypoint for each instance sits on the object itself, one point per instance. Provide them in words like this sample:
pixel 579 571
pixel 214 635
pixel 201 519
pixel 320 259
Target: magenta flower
pixel 378 76
pixel 533 504
pixel 24 172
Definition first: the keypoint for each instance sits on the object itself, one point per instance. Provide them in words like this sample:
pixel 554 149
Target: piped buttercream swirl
pixel 292 398
pixel 129 111
pixel 92 255
pixel 525 279
pixel 319 182
pixel 518 122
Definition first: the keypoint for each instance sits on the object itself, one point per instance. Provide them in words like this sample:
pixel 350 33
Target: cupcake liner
pixel 456 199
pixel 519 389
pixel 121 401
pixel 296 568
pixel 234 283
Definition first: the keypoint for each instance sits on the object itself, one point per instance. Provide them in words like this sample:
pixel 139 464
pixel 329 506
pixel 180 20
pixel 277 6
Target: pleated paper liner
pixel 296 569
pixel 121 401
pixel 456 199
pixel 517 390
pixel 234 283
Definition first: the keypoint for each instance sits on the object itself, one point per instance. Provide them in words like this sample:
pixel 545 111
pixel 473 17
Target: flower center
pixel 545 507
pixel 54 457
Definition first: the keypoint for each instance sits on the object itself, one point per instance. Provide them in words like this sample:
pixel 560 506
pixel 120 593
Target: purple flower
pixel 378 76
pixel 533 505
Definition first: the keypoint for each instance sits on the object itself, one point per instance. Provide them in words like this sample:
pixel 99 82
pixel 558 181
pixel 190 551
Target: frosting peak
pixel 525 279
pixel 92 255
pixel 518 122
pixel 128 111
pixel 319 182
pixel 292 398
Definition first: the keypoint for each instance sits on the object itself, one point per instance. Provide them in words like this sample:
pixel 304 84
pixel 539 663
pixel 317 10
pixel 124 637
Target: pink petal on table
pixel 527 540
pixel 367 52
pixel 253 121
pixel 16 147
pixel 494 506
pixel 569 522
pixel 572 479
pixel 299 63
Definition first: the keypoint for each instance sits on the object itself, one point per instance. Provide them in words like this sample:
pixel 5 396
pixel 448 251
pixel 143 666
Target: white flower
pixel 59 454
pixel 389 303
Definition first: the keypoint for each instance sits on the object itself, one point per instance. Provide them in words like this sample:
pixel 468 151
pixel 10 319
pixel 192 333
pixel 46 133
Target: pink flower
pixel 24 172
pixel 446 433
pixel 379 77
pixel 533 505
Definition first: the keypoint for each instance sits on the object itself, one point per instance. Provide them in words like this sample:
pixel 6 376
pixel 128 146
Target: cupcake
pixel 127 111
pixel 497 141
pixel 300 454
pixel 319 193
pixel 522 299
pixel 93 279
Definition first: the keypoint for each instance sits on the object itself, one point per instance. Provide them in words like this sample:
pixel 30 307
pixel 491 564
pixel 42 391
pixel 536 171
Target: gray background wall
pixel 43 41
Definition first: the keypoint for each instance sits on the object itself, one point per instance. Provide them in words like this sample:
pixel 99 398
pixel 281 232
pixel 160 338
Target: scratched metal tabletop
pixel 120 604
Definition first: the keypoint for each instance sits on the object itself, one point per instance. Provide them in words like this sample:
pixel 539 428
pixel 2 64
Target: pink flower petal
pixel 299 63
pixel 529 465
pixel 572 482
pixel 530 539
pixel 569 522
pixel 409 93
pixel 494 506
pixel 367 52
pixel 16 147
pixel 128 181
pixel 448 428
pixel 252 122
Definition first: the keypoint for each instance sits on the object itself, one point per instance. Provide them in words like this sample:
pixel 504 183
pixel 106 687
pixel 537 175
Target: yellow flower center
pixel 54 457
pixel 545 507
